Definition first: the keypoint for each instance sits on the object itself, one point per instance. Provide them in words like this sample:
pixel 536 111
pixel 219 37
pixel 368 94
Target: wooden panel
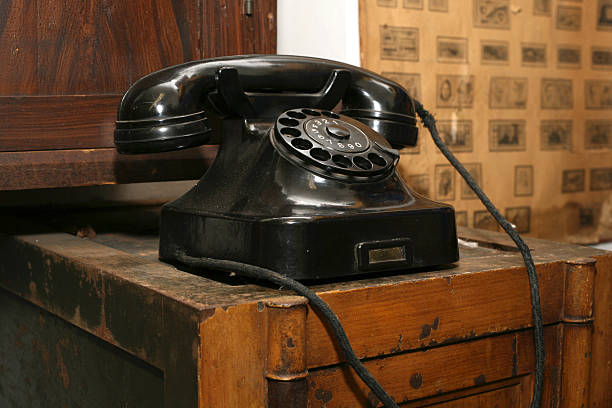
pixel 601 359
pixel 161 34
pixel 254 34
pixel 18 47
pixel 233 358
pixel 71 122
pixel 391 319
pixel 65 168
pixel 76 40
pixel 434 371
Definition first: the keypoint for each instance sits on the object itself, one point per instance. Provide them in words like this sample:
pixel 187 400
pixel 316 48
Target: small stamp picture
pixel 386 3
pixel 533 55
pixel 555 135
pixel 484 220
pixel 438 5
pixel 604 15
pixel 452 49
pixel 455 91
pixel 410 82
pixel 506 135
pixel 523 181
pixel 492 14
pixel 413 4
pixel 419 184
pixel 557 93
pixel 598 94
pixel 457 134
pixel 508 93
pixel 601 179
pixel 399 43
pixel 587 217
pixel 520 217
pixel 568 56
pixel 494 52
pixel 573 181
pixel 461 218
pixel 475 170
pixel 598 134
pixel 569 18
pixel 445 182
pixel 542 7
pixel 601 58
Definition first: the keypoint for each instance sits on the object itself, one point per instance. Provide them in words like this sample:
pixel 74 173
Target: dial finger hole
pixel 288 122
pixel 376 159
pixel 341 161
pixel 362 163
pixel 296 115
pixel 301 144
pixel 291 132
pixel 320 154
pixel 311 112
pixel 331 115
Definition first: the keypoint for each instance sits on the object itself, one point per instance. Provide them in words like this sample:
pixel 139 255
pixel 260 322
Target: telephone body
pixel 305 182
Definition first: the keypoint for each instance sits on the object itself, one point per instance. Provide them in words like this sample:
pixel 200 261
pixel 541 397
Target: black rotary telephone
pixel 305 182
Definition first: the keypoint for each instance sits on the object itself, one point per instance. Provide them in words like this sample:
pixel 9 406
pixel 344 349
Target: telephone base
pixel 422 234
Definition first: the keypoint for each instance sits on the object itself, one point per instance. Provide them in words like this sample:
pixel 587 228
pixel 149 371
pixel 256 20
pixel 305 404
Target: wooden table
pixel 100 322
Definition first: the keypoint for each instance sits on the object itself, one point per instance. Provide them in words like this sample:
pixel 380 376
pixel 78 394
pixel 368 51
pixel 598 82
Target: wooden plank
pixel 70 122
pixel 410 376
pixel 86 167
pixel 410 315
pixel 255 34
pixel 508 397
pixel 18 47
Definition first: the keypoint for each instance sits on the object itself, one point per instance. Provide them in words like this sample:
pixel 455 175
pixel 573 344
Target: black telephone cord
pixel 536 310
pixel 316 302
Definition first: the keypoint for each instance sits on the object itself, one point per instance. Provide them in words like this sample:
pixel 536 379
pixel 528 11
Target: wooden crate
pixel 100 321
pixel 66 64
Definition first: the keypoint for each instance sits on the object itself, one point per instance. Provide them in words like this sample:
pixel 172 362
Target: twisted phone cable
pixel 536 310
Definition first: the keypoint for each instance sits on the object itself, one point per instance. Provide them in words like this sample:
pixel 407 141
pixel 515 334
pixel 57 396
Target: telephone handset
pixel 305 181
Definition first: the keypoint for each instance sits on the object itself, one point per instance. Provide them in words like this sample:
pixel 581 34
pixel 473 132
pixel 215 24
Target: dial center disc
pixel 337 135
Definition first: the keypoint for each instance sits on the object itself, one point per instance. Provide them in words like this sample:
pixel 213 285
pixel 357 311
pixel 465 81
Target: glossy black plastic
pixel 278 195
pixel 174 104
pixel 257 207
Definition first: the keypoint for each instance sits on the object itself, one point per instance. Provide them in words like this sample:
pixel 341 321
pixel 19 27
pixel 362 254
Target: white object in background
pixel 319 28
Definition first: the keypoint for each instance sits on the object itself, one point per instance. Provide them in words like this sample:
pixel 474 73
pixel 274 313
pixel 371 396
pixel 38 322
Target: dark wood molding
pixel 87 167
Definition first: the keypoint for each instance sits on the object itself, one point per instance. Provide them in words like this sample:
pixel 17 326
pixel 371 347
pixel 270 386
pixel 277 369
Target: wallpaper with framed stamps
pixel 529 76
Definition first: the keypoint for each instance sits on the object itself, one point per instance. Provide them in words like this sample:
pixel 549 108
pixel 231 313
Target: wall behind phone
pixel 522 90
pixel 319 28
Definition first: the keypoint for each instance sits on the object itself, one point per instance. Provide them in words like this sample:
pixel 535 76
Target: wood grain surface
pixel 462 359
pixel 66 64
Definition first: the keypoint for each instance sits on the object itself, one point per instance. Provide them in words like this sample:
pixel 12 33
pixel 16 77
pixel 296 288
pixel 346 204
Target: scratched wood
pixel 109 276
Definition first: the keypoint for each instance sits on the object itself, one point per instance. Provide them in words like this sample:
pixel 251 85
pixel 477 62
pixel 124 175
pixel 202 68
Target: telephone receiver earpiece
pixel 170 109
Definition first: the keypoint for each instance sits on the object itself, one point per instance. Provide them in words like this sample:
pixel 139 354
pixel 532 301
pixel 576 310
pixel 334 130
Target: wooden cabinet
pixel 66 63
pixel 454 337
